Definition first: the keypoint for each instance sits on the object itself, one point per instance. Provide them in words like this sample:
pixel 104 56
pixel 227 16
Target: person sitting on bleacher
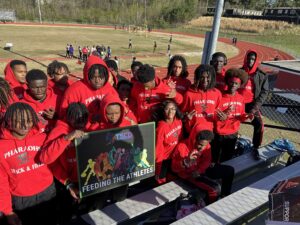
pixel 192 162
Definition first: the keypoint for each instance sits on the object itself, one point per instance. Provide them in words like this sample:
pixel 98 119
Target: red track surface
pixel 264 53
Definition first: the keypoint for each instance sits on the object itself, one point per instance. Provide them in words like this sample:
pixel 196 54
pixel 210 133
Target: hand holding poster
pixel 111 158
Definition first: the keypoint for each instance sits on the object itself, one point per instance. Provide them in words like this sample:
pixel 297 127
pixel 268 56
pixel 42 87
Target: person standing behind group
pixel 255 92
pixel 219 61
pixel 85 53
pixel 15 74
pixel 177 74
pixel 27 190
pixel 67 51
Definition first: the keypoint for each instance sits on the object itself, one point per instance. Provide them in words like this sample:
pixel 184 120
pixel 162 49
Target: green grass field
pixel 45 43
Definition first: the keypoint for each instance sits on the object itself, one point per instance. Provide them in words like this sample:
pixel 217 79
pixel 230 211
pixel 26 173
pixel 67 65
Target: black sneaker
pixel 255 154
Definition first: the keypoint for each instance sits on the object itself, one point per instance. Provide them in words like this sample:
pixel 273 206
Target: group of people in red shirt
pixel 197 124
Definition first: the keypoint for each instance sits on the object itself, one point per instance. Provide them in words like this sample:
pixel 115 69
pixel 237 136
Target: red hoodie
pixel 236 114
pixel 15 85
pixel 220 80
pixel 146 101
pixel 60 153
pixel 205 103
pixel 182 152
pixel 182 84
pixel 20 172
pixel 167 138
pixel 81 91
pixel 127 117
pixel 39 107
pixel 248 90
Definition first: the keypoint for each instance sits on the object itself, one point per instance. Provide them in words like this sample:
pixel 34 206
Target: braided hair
pixel 77 115
pixel 22 109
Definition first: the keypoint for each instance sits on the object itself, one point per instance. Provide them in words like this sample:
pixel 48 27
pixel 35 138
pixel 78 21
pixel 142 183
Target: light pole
pixel 145 11
pixel 40 12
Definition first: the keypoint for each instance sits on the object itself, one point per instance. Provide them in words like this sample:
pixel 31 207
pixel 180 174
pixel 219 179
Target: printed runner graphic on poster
pixel 111 158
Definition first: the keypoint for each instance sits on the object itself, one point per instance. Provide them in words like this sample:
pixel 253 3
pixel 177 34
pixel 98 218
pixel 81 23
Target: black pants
pixel 258 126
pixel 37 209
pixel 223 147
pixel 223 172
pixel 212 188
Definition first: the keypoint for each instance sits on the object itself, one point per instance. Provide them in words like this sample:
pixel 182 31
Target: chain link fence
pixel 281 116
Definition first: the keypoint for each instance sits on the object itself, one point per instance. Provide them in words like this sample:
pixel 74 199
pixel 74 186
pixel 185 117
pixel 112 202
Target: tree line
pixel 123 12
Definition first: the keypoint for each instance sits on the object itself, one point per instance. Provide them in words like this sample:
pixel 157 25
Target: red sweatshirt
pixel 146 101
pixel 127 117
pixel 60 153
pixel 39 107
pixel 182 84
pixel 81 91
pixel 167 137
pixel 236 114
pixel 248 90
pixel 21 174
pixel 205 103
pixel 15 85
pixel 220 80
pixel 182 152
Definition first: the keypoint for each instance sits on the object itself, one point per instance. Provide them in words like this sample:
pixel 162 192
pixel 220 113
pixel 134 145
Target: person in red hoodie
pixel 124 89
pixel 115 114
pixel 192 162
pixel 168 134
pixel 177 74
pixel 229 115
pixel 149 92
pixel 219 61
pixel 91 90
pixel 134 68
pixel 27 191
pixel 7 97
pixel 41 99
pixel 202 98
pixel 59 82
pixel 59 152
pixel 15 73
pixel 255 92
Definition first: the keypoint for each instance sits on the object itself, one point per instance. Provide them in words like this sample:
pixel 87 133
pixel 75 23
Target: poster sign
pixel 107 159
pixel 284 202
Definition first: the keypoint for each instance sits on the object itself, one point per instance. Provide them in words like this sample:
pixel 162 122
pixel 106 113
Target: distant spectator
pixel 130 44
pixel 171 38
pixel 108 51
pixel 80 52
pixel 71 51
pixel 85 53
pixel 154 46
pixel 67 51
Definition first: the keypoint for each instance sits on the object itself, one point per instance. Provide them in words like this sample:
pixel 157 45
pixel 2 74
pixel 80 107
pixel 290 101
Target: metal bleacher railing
pixel 281 113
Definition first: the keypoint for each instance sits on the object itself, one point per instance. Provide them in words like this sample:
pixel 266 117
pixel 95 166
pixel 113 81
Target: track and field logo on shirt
pixel 23 158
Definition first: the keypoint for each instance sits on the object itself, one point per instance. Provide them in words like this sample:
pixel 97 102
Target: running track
pixel 264 53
